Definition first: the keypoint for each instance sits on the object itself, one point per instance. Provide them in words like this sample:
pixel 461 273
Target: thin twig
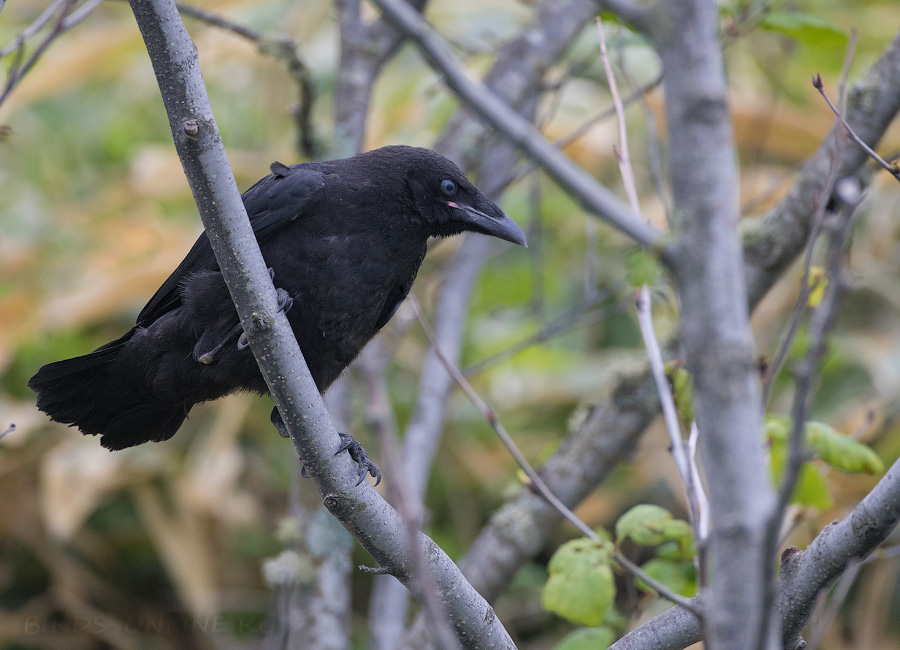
pixel 580 131
pixel 9 429
pixel 71 19
pixel 543 489
pixel 286 50
pixel 892 169
pixel 702 500
pixel 32 29
pixel 642 300
pixel 806 290
pixel 622 151
pixel 820 324
pixel 16 71
pixel 401 498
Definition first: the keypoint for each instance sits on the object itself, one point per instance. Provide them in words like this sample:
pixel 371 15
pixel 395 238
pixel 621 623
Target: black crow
pixel 343 239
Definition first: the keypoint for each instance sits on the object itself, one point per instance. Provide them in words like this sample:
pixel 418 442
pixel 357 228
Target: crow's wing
pixel 394 300
pixel 272 202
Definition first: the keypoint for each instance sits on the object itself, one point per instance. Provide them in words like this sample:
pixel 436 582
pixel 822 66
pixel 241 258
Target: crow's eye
pixel 448 187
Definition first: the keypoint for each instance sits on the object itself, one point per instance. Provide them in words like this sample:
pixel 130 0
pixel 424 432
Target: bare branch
pixel 890 168
pixel 872 103
pixel 284 49
pixel 18 70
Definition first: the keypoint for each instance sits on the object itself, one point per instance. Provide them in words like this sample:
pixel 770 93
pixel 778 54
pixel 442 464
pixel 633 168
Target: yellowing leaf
pixel 818 281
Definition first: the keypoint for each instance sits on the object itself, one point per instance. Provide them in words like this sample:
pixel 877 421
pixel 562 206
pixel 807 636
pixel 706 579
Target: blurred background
pixel 183 544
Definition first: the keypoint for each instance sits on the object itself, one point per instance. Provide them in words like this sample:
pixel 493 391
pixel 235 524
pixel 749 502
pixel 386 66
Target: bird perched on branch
pixel 344 240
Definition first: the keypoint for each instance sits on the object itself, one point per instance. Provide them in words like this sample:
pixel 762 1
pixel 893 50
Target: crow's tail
pixel 84 393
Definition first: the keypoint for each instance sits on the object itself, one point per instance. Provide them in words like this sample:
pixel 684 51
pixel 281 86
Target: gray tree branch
pixel 708 267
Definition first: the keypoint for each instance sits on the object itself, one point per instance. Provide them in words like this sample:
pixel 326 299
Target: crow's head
pixel 447 201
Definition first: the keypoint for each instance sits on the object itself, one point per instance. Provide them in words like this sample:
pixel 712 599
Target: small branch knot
pixel 375 570
pixel 191 128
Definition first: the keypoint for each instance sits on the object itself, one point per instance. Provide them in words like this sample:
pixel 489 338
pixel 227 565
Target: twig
pixel 815 229
pixel 491 417
pixel 17 71
pixel 32 29
pixel 70 20
pixel 892 169
pixel 407 505
pixel 820 324
pixel 642 300
pixel 9 429
pixel 702 500
pixel 803 575
pixel 287 51
pixel 580 131
pixel 596 198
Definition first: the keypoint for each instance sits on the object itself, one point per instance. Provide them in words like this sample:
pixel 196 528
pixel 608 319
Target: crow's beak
pixel 497 224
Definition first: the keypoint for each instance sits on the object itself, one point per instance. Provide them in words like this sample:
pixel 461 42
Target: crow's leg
pixel 348 444
pixel 210 356
pixel 358 454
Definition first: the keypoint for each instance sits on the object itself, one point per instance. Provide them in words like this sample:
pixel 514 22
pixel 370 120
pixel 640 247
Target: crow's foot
pixel 210 357
pixel 348 444
pixel 358 454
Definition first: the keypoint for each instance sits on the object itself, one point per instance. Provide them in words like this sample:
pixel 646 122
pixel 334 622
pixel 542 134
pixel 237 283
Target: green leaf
pixel 641 268
pixel 597 638
pixel 806 29
pixel 680 577
pixel 581 586
pixel 645 524
pixel 840 451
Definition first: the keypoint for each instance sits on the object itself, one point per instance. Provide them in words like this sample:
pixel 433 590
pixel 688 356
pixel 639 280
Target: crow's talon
pixel 285 302
pixel 359 456
pixel 211 356
pixel 243 342
pixel 304 472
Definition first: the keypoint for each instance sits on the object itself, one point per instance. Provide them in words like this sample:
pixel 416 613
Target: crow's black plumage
pixel 344 240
